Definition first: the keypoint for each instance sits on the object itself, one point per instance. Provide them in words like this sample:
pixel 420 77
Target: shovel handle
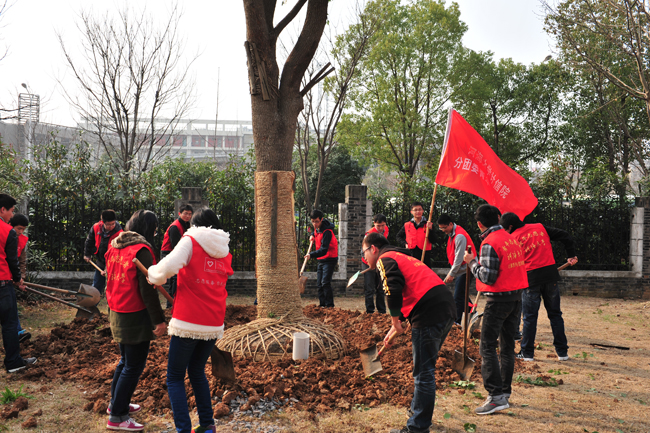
pixel 95 265
pixel 54 289
pixel 390 340
pixel 145 271
pixel 564 266
pixel 54 298
pixel 306 258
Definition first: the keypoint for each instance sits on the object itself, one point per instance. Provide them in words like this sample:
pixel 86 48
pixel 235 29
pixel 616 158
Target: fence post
pixel 191 196
pixel 356 201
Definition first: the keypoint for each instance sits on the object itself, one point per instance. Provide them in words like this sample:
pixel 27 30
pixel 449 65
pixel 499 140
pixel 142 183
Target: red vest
pixel 97 228
pixel 5 273
pixel 418 279
pixel 415 237
pixel 22 242
pixel 534 240
pixel 122 287
pixel 512 270
pixel 201 293
pixel 167 245
pixel 333 250
pixel 374 230
pixel 451 244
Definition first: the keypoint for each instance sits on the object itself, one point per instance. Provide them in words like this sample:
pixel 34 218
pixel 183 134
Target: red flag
pixel 469 164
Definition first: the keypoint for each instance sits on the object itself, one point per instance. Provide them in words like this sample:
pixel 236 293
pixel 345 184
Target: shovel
pixel 222 365
pixel 145 271
pixel 463 364
pixel 302 281
pixel 54 298
pixel 370 358
pixel 354 277
pixel 476 320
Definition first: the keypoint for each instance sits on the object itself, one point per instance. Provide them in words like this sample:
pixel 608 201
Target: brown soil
pixel 84 352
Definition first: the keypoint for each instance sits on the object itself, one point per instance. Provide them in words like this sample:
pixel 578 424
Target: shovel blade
pixel 85 315
pixel 463 365
pixel 353 278
pixel 302 283
pixel 370 361
pixel 474 324
pixel 222 365
pixel 88 301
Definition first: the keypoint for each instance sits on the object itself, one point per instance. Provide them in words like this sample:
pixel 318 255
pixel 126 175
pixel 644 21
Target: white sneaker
pixel 128 425
pixel 521 356
pixel 563 358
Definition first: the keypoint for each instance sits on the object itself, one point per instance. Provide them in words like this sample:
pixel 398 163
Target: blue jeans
pixel 99 282
pixel 372 289
pixel 9 322
pixel 500 321
pixel 126 377
pixel 426 344
pixel 459 295
pixel 531 300
pixel 187 354
pixel 324 281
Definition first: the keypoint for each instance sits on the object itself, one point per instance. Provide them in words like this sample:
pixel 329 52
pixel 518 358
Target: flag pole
pixel 435 188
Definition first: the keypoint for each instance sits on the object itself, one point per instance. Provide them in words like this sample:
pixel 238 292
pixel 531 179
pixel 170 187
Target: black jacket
pixel 436 306
pixel 325 242
pixel 90 247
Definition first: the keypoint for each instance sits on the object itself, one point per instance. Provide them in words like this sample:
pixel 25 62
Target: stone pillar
pixel 355 199
pixel 636 236
pixel 642 212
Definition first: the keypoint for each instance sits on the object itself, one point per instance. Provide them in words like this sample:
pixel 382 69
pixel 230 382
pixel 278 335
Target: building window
pixel 198 141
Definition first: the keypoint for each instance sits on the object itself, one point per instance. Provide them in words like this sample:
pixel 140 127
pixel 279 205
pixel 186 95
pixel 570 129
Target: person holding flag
pixel 414 232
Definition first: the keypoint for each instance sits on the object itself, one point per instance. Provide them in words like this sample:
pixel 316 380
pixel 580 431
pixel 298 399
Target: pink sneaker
pixel 133 408
pixel 128 425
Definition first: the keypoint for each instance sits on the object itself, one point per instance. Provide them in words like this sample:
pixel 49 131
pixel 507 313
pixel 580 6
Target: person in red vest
pixel 20 222
pixel 414 293
pixel 327 253
pixel 10 275
pixel 203 263
pixel 500 275
pixel 535 240
pixel 413 233
pixel 370 286
pixel 100 236
pixel 135 314
pixel 457 242
pixel 173 234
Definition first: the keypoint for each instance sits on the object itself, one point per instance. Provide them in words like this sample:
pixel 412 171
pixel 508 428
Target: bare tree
pixel 319 119
pixel 130 76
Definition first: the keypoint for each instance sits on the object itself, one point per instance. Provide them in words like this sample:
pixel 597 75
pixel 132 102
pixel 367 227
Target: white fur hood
pixel 214 242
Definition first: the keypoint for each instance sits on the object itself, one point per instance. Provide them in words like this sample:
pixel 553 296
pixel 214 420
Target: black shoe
pixel 26 362
pixel 24 337
pixel 517 336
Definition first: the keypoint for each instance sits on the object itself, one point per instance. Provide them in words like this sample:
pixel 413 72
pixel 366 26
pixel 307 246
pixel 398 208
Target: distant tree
pixel 319 120
pixel 133 87
pixel 342 170
pixel 399 97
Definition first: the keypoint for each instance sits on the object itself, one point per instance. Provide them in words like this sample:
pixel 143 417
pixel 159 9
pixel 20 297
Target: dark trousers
pixel 126 377
pixel 530 301
pixel 459 295
pixel 426 344
pixel 417 253
pixel 499 323
pixel 187 354
pixel 172 289
pixel 324 282
pixel 371 288
pixel 9 322
pixel 99 282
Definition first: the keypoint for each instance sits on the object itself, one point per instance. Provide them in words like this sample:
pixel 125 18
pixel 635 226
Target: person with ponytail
pixel 203 263
pixel 135 313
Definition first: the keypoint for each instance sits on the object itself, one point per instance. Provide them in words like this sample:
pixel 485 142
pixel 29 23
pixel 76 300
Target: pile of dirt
pixel 84 352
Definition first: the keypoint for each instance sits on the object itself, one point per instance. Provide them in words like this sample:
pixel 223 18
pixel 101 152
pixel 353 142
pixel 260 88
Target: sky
pixel 215 32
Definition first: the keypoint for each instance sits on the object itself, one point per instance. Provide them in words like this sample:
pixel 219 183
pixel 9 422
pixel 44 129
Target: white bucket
pixel 300 345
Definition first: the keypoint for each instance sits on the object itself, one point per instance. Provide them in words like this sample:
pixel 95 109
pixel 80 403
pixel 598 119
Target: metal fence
pixel 600 229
